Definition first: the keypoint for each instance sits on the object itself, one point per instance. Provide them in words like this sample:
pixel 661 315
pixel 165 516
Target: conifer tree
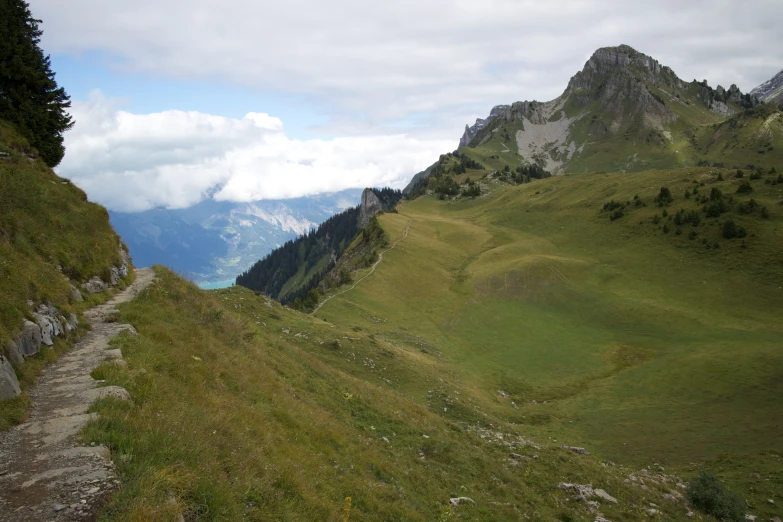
pixel 29 95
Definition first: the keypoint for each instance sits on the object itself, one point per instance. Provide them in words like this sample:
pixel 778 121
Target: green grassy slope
pixel 245 410
pixel 45 223
pixel 643 345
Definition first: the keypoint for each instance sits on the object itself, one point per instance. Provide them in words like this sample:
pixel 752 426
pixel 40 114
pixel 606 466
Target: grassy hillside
pixel 497 330
pixel 246 410
pixel 51 237
pixel 644 345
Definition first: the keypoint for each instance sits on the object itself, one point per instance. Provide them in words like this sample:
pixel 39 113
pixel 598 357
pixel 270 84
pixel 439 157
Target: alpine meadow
pixel 573 316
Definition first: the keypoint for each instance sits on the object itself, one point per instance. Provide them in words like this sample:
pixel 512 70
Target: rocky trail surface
pixel 45 471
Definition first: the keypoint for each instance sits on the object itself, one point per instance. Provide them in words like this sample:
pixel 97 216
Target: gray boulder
pixel 30 341
pixel 94 285
pixel 603 495
pixel 124 256
pixel 47 329
pixel 9 384
pixel 117 273
pixel 76 295
pixel 14 352
pixel 114 276
pixel 73 321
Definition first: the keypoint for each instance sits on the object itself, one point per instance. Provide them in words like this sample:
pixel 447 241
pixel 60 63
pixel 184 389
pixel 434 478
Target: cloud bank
pixel 380 62
pixel 174 159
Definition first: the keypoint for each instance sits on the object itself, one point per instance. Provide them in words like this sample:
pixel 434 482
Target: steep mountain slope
pixel 55 246
pixel 214 241
pixel 292 270
pixel 770 91
pixel 623 111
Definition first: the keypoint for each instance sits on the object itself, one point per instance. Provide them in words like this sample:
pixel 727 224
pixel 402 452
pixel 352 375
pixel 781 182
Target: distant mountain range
pixel 214 241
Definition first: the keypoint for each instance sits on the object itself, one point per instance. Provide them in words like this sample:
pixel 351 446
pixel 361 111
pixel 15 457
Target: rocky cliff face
pixel 471 131
pixel 370 206
pixel 770 91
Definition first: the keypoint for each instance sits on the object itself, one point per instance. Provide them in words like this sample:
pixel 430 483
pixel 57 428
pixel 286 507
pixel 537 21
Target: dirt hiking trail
pixel 45 472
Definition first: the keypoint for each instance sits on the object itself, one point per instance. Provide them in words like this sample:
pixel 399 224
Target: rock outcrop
pixel 48 323
pixel 94 285
pixel 472 130
pixel 370 206
pixel 770 91
pixel 9 385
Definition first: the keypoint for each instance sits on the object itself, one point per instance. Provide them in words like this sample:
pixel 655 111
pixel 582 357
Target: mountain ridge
pixel 620 96
pixel 770 91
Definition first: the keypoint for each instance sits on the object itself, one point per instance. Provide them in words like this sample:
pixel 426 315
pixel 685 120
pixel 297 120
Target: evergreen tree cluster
pixel 526 173
pixel 29 95
pixel 331 238
pixel 271 273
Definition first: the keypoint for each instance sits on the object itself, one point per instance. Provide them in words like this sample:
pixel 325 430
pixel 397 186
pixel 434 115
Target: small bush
pixel 739 174
pixel 616 214
pixel 744 188
pixel 764 213
pixel 664 197
pixel 709 496
pixel 732 230
pixel 747 207
pixel 715 194
pixel 612 205
pixel 716 208
pixel 666 229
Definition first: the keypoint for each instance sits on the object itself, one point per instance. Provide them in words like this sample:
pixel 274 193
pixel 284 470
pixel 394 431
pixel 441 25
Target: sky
pixel 179 100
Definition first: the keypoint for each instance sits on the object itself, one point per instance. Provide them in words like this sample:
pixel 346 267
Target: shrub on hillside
pixel 664 197
pixel 744 188
pixel 709 496
pixel 716 208
pixel 747 207
pixel 616 214
pixel 682 218
pixel 732 230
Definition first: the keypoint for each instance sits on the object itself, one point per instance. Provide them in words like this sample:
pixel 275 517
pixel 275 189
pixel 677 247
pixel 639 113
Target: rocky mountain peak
pixel 624 60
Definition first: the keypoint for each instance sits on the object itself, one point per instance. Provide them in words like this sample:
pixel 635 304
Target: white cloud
pixel 424 67
pixel 381 62
pixel 174 159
